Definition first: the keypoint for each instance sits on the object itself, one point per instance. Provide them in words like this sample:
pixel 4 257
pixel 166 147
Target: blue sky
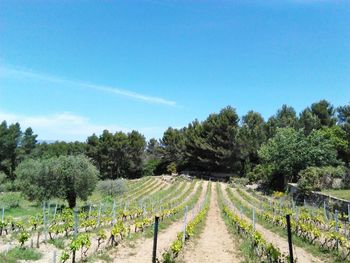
pixel 71 68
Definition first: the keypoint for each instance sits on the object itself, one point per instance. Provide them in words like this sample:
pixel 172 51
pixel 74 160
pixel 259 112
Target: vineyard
pixel 198 220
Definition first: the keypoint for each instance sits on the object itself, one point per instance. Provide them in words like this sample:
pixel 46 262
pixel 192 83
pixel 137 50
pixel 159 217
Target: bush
pixel 277 194
pixel 261 172
pixel 10 200
pixel 112 187
pixel 171 168
pixel 239 181
pixel 318 178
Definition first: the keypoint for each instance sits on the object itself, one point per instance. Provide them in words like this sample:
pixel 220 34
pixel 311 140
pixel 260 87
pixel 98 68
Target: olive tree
pixel 67 177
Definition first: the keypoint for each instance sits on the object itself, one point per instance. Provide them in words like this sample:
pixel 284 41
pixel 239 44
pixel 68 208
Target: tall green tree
pixel 58 148
pixel 308 121
pixel 325 112
pixel 251 136
pixel 213 144
pixel 117 155
pixel 173 146
pixel 28 141
pixel 136 153
pixel 153 149
pixel 9 142
pixel 343 117
pixel 286 117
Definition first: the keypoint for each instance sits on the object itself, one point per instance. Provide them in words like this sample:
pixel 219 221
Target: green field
pixel 343 194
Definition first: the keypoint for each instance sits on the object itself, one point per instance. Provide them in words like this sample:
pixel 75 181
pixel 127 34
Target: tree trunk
pixel 72 199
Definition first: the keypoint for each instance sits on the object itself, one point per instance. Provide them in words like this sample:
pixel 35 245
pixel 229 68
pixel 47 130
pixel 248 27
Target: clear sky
pixel 71 68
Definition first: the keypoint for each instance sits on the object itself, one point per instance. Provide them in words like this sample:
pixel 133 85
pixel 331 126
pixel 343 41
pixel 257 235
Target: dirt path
pixel 141 250
pixel 278 241
pixel 215 243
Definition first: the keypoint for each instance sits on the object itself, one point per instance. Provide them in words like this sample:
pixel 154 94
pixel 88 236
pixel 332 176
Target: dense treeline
pixel 275 151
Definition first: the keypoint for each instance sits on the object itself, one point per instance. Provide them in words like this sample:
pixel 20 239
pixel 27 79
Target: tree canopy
pixel 67 177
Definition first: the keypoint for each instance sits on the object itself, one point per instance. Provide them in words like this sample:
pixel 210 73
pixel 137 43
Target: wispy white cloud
pixel 23 73
pixel 69 127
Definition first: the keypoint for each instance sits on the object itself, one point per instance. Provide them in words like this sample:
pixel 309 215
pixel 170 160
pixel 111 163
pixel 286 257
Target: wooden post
pixel 155 237
pixel 289 232
pixel 185 223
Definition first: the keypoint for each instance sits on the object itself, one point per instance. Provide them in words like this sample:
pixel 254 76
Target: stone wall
pixel 317 199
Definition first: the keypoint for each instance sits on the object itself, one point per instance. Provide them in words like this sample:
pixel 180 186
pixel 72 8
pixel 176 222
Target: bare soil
pixel 215 243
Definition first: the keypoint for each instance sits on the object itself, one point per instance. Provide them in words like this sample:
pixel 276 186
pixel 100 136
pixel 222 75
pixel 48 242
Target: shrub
pixel 261 172
pixel 277 194
pixel 7 185
pixel 10 200
pixel 171 168
pixel 239 181
pixel 317 178
pixel 112 187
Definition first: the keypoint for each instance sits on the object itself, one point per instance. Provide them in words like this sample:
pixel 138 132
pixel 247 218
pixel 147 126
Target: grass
pixel 343 193
pixel 58 242
pixel 17 253
pixel 101 256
